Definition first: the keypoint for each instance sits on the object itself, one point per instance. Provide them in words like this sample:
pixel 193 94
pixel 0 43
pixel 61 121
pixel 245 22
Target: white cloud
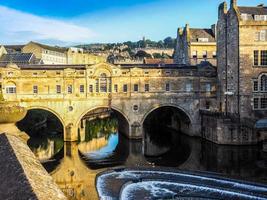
pixel 20 27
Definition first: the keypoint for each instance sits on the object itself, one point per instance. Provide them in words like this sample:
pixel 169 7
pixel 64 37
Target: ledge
pixel 22 175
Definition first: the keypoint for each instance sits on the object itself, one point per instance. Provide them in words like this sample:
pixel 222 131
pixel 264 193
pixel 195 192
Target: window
pixel 263 83
pixel 69 89
pixel 11 89
pixel 115 88
pixel 58 73
pixel 35 74
pixel 203 39
pixel 205 54
pixel 35 89
pixel 135 87
pixel 167 72
pixel 194 54
pixel 256 103
pixel 263 57
pixel 146 87
pixel 167 87
pixel 81 88
pixel 262 35
pixel 9 73
pixel 188 87
pixel 208 87
pixel 263 103
pixel 125 88
pixel 256 58
pixel 58 88
pixel 91 88
pixel 255 86
pixel 103 82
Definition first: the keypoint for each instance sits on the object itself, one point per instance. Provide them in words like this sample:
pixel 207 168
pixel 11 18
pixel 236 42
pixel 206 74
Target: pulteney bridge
pixel 132 92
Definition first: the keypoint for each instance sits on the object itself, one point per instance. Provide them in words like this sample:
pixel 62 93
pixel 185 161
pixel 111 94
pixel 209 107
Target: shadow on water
pixel 74 165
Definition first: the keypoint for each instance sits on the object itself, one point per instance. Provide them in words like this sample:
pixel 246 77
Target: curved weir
pixel 158 183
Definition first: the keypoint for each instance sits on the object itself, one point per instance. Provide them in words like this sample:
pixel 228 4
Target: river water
pixel 74 165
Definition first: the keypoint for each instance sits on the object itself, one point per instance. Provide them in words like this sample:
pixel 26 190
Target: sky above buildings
pixel 69 22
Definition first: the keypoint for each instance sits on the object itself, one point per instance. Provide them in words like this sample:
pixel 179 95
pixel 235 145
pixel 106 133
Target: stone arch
pixel 127 132
pixel 184 125
pixel 57 115
pixel 165 105
pixel 49 110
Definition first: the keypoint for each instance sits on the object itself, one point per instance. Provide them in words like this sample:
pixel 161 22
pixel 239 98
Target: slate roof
pixel 13 48
pixel 16 58
pixel 51 48
pixel 260 10
pixel 196 33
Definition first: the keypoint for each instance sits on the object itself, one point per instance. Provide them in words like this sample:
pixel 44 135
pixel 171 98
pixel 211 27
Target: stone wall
pixel 227 129
pixel 22 175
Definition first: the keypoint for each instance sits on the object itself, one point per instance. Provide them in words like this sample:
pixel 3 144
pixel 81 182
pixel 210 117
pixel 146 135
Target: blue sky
pixel 67 22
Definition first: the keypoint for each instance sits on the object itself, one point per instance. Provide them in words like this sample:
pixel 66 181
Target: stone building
pixel 48 54
pixel 79 56
pixel 61 56
pixel 242 77
pixel 242 58
pixel 195 45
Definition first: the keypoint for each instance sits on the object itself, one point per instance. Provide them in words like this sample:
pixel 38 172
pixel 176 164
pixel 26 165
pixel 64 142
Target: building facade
pixel 48 54
pixel 195 45
pixel 71 91
pixel 77 56
pixel 242 58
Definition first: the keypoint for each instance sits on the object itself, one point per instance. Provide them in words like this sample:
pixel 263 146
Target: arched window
pixel 103 82
pixel 263 83
pixel 11 88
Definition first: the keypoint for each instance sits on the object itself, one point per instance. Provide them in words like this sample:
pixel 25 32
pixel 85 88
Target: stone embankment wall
pixel 228 129
pixel 22 175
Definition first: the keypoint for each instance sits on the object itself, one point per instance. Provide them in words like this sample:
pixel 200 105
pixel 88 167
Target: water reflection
pixel 74 165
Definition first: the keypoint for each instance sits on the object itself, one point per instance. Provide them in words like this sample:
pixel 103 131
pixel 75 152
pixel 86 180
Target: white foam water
pixel 158 189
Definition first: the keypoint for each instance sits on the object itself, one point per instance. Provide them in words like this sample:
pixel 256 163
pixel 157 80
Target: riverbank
pixel 22 175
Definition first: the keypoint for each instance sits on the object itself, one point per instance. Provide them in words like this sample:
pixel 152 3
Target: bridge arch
pixel 124 122
pixel 165 105
pixel 51 111
pixel 185 117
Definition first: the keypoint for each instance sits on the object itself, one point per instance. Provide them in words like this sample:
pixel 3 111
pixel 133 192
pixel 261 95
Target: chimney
pixel 233 3
pixel 222 9
pixel 213 28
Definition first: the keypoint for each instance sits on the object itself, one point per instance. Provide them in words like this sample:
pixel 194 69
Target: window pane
pixel 90 88
pixel 81 88
pixel 263 57
pixel 263 103
pixel 125 88
pixel 146 87
pixel 167 87
pixel 256 103
pixel 35 89
pixel 136 87
pixel 256 58
pixel 58 89
pixel 255 86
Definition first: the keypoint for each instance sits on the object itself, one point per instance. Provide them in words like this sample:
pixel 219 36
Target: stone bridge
pixel 131 92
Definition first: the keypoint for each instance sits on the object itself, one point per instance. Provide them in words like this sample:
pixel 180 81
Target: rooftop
pixel 51 48
pixel 16 58
pixel 197 33
pixel 259 10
